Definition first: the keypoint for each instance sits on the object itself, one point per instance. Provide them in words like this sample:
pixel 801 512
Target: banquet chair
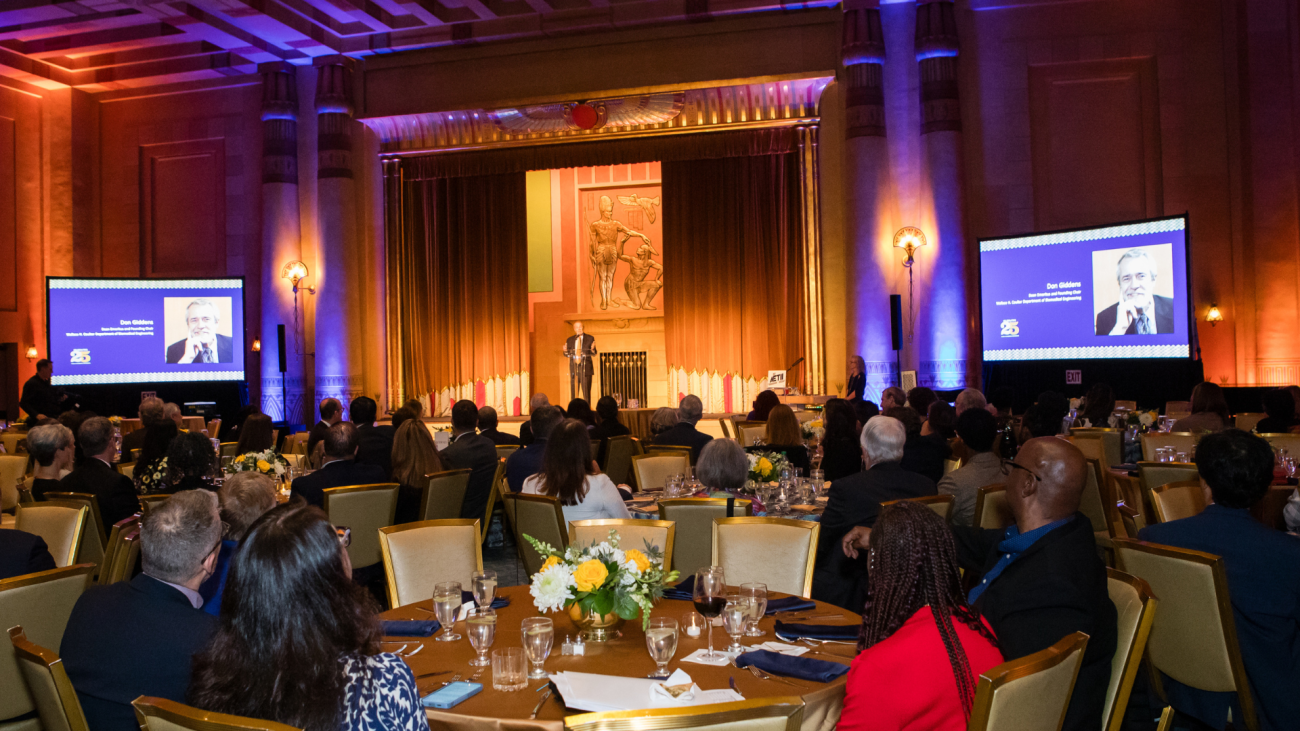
pixel 941 504
pixel 668 450
pixel 12 467
pixel 365 509
pixel 1181 441
pixel 1177 500
pixel 1032 692
pixel 1092 505
pixel 1194 603
pixel 1154 474
pixel 1289 442
pixel 47 681
pixel 541 517
pixel 442 497
pixel 1135 607
pixel 991 509
pixel 693 539
pixel 505 450
pixel 618 458
pixel 127 468
pixel 766 714
pixel 93 540
pixel 494 493
pixel 214 428
pixel 1178 407
pixel 125 557
pixel 115 538
pixel 229 449
pixel 296 443
pixel 728 430
pixel 149 502
pixel 748 431
pixel 1246 421
pixel 776 551
pixel 160 714
pixel 632 533
pixel 60 524
pixel 651 471
pixel 41 603
pixel 419 555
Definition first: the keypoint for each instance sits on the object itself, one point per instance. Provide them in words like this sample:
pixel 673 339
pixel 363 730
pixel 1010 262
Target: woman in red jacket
pixel 921 647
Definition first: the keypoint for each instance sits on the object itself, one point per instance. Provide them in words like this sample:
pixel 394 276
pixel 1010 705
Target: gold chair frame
pixel 116 540
pixel 77 532
pixel 814 529
pixel 1159 507
pixel 90 501
pixel 228 449
pixel 667 548
pixel 424 493
pixel 930 501
pixel 384 550
pixel 740 427
pixel 124 558
pixel 665 452
pixel 147 707
pixel 147 502
pixel 661 449
pixel 994 678
pixel 1148 511
pixel 505 450
pixel 1252 417
pixel 27 650
pixel 1118 703
pixel 1195 437
pixel 666 719
pixel 559 519
pixel 980 500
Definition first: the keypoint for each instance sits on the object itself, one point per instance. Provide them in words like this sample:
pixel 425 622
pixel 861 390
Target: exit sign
pixel 1074 378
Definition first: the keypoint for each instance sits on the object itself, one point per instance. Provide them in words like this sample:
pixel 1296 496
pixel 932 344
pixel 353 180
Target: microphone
pixel 792 365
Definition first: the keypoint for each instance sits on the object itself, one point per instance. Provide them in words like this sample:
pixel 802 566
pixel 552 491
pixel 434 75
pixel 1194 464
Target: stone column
pixel 867 195
pixel 338 363
pixel 942 323
pixel 281 243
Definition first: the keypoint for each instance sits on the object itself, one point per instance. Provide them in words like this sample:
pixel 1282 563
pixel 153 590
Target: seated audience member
pixel 1209 410
pixel 920 398
pixel 526 462
pixel 581 410
pixel 340 468
pixel 763 404
pixel 1098 404
pixel 52 448
pixel 73 420
pixel 684 433
pixel 864 411
pixel 921 647
pixel 1295 395
pixel 784 435
pixel 1046 417
pixel 1291 513
pixel 331 413
pixel 172 412
pixel 416 406
pixel 892 398
pixel 470 450
pixel 723 466
pixel 191 461
pixel 151 412
pixel 403 415
pixel 152 475
pixel 23 553
pixel 258 435
pixel 137 638
pixel 298 641
pixel 374 442
pixel 1003 399
pixel 978 430
pixel 537 401
pixel 662 420
pixel 230 430
pixel 1280 408
pixel 414 458
pixel 243 497
pixel 841 452
pixel 96 475
pixel 569 473
pixel 487 426
pixel 855 501
pixel 969 398
pixel 607 424
pixel 923 455
pixel 940 423
pixel 1263 568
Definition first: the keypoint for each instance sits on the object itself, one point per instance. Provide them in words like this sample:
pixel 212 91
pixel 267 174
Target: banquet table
pixel 192 423
pixel 11 439
pixel 493 710
pixel 645 506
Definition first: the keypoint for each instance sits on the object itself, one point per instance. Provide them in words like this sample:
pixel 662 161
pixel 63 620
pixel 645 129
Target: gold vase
pixel 595 627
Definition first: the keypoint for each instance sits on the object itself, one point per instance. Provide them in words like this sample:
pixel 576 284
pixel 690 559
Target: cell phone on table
pixel 452 694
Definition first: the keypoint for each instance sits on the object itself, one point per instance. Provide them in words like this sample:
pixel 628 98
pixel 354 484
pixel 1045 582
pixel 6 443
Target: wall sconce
pixel 295 272
pixel 909 239
pixel 32 353
pixel 257 345
pixel 1214 317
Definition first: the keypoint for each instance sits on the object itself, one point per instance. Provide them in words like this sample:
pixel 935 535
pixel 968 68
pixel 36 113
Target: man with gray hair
pixel 151 413
pixel 1140 311
pixel 855 501
pixel 526 435
pixel 684 434
pixel 95 474
pixel 970 398
pixel 173 412
pixel 131 639
pixel 892 397
pixel 487 426
pixel 202 343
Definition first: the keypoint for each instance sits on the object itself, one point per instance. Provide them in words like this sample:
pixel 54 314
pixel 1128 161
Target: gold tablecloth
pixel 493 710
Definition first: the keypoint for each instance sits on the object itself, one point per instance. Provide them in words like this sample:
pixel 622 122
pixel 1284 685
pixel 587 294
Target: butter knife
pixel 545 697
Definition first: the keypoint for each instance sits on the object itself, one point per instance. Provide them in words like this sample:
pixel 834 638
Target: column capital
pixel 862 50
pixel 936 29
pixel 936 52
pixel 279 90
pixel 862 40
pixel 334 84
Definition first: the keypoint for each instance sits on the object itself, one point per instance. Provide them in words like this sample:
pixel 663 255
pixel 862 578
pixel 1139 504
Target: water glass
pixel 735 616
pixel 509 672
pixel 481 626
pixel 1181 457
pixel 539 637
pixel 484 586
pixel 446 604
pixel 757 595
pixel 1289 466
pixel 661 641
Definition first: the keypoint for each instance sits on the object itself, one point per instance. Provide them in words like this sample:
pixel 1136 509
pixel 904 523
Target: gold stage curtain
pixel 458 290
pixel 733 297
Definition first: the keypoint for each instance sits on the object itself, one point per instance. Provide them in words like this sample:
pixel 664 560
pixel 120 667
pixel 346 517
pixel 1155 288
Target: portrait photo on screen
pixel 198 330
pixel 1133 290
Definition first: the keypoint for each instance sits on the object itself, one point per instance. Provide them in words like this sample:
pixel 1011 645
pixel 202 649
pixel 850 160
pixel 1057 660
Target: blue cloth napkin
pixel 789 604
pixel 836 632
pixel 497 601
pixel 410 627
pixel 683 591
pixel 804 668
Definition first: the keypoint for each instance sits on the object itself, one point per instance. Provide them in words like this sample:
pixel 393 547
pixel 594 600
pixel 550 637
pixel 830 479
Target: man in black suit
pixel 578 349
pixel 40 399
pixel 331 413
pixel 131 639
pixel 684 434
pixel 23 553
pixel 475 452
pixel 487 426
pixel 374 443
pixel 537 401
pixel 855 501
pixel 1263 568
pixel 204 344
pixel 1139 311
pixel 95 474
pixel 526 462
pixel 151 412
pixel 340 468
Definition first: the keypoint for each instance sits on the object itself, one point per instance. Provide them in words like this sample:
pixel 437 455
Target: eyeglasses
pixel 1008 464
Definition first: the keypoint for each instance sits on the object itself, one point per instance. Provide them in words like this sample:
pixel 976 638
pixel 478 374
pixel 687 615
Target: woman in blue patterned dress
pixel 298 641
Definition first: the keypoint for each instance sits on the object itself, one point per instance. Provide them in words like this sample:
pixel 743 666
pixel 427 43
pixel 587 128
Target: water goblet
pixel 446 603
pixel 539 636
pixel 757 594
pixel 484 586
pixel 735 615
pixel 481 626
pixel 661 641
pixel 710 595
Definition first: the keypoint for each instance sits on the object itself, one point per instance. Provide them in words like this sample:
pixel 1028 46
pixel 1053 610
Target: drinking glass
pixel 1289 466
pixel 710 596
pixel 484 586
pixel 1180 457
pixel 539 636
pixel 735 615
pixel 508 670
pixel 693 624
pixel 446 603
pixel 757 594
pixel 661 641
pixel 481 626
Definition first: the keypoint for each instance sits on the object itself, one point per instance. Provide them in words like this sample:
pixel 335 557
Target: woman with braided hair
pixel 921 646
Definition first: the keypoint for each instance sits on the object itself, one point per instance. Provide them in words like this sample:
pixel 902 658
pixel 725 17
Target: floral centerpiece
pixel 601 585
pixel 766 466
pixel 1142 419
pixel 116 421
pixel 268 463
pixel 812 430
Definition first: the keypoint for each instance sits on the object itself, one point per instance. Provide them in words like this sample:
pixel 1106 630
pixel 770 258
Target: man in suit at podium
pixel 578 349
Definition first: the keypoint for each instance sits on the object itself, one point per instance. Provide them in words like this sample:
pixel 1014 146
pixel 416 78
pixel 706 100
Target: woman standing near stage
pixel 857 380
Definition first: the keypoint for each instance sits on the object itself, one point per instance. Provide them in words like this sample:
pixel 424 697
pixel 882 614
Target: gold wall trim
pixel 814 320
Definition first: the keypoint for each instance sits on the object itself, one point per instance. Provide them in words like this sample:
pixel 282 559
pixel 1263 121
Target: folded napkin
pixel 835 632
pixel 683 591
pixel 782 648
pixel 804 668
pixel 410 627
pixel 676 689
pixel 497 602
pixel 789 604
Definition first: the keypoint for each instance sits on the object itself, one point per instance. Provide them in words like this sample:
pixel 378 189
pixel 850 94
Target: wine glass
pixel 481 626
pixel 484 586
pixel 539 636
pixel 446 603
pixel 710 595
pixel 735 615
pixel 661 641
pixel 757 594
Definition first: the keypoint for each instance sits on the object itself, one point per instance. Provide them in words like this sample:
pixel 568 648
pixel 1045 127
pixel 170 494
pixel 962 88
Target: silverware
pixel 545 697
pixel 430 675
pixel 415 651
pixel 819 616
pixel 767 676
pixel 818 643
pixel 731 680
pixel 454 678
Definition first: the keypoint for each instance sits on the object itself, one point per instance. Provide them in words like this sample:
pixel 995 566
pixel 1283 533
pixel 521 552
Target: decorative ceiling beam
pixel 217 30
pixel 223 62
pixel 89 39
pixel 54 22
pixel 379 18
pixel 135 55
pixel 447 14
pixel 294 21
pixel 75 8
pixel 325 20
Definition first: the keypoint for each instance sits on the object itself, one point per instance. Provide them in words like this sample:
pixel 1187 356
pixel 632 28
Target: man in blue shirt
pixel 526 462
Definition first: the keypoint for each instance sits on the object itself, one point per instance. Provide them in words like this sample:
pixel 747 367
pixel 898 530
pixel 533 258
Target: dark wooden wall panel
pixel 183 216
pixel 8 217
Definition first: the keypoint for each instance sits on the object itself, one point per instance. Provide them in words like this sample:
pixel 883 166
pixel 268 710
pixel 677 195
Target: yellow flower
pixel 590 575
pixel 263 465
pixel 551 561
pixel 638 558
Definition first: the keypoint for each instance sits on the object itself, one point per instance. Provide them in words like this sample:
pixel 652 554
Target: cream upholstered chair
pixel 1112 442
pixel 991 509
pixel 442 497
pixel 776 551
pixel 160 714
pixel 505 450
pixel 1032 692
pixel 419 555
pixel 1091 447
pixel 668 449
pixel 618 458
pixel 116 539
pixel 47 681
pixel 1181 441
pixel 1135 607
pixel 539 516
pixel 693 542
pixel 229 449
pixel 1154 474
pixel 41 604
pixel 93 539
pixel 296 443
pixel 365 509
pixel 1194 603
pixel 127 468
pixel 651 471
pixel 1178 407
pixel 1092 506
pixel 941 504
pixel 632 533
pixel 125 557
pixel 149 502
pixel 1177 500
pixel 59 523
pixel 748 431
pixel 766 714
pixel 1246 421
pixel 1289 442
pixel 12 467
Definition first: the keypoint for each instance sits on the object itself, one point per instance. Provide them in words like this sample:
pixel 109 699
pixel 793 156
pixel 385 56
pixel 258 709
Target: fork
pixel 766 676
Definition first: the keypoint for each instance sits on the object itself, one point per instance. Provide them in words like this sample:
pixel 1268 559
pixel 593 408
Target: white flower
pixel 753 459
pixel 1146 419
pixel 631 567
pixel 551 588
pixel 627 578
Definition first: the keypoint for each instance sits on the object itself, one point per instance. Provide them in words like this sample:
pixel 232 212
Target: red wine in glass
pixel 710 597
pixel 710 606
